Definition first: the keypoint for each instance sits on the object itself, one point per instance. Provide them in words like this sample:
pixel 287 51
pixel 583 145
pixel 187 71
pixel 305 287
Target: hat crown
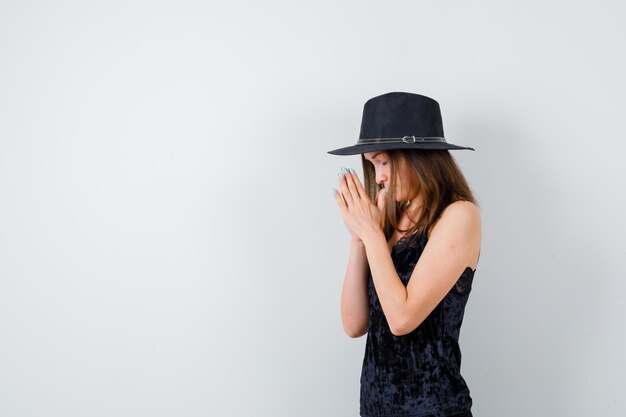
pixel 399 114
pixel 399 120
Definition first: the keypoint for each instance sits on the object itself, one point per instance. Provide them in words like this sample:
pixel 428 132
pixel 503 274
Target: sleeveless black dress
pixel 417 374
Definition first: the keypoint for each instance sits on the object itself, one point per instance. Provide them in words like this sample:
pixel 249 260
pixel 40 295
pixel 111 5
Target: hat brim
pixel 359 149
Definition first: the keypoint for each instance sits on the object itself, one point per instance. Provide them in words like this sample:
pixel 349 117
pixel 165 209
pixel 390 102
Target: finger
pixel 381 198
pixel 381 203
pixel 339 199
pixel 359 185
pixel 345 191
pixel 352 184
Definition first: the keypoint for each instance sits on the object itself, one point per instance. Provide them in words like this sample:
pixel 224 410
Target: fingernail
pixel 344 170
pixel 340 175
pixel 334 191
pixel 351 170
pixel 387 190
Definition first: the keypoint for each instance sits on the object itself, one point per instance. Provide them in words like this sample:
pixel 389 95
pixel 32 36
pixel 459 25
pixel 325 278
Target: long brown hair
pixel 441 183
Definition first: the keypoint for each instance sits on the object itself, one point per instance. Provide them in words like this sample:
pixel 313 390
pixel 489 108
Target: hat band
pixel 405 139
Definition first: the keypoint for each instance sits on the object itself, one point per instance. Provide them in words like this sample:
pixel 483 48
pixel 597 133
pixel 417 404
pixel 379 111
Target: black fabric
pixel 417 374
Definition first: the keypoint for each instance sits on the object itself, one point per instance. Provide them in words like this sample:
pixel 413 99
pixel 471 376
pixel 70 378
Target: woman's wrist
pixel 373 235
pixel 356 241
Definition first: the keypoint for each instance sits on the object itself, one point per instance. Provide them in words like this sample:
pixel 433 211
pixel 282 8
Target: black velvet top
pixel 417 374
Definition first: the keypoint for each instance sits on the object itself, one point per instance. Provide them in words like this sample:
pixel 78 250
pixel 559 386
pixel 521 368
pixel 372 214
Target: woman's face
pixel 380 160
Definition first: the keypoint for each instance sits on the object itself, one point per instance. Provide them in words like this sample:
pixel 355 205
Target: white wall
pixel 169 244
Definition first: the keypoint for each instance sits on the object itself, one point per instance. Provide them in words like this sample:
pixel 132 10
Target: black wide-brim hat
pixel 399 121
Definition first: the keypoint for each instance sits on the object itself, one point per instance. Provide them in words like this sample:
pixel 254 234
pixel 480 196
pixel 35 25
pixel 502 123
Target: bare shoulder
pixel 461 216
pixel 463 211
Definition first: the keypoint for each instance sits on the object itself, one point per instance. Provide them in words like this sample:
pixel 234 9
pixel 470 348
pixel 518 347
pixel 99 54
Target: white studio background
pixel 169 244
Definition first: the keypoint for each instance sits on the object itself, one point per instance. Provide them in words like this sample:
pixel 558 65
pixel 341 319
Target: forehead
pixel 372 155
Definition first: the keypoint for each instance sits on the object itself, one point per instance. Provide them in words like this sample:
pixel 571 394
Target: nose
pixel 381 177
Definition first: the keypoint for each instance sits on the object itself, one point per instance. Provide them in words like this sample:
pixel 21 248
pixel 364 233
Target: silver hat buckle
pixel 404 139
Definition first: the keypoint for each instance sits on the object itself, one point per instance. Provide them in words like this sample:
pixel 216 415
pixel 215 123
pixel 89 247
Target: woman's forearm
pixel 390 290
pixel 354 303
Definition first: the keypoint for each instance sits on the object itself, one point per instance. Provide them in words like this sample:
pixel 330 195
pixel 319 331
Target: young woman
pixel 416 235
